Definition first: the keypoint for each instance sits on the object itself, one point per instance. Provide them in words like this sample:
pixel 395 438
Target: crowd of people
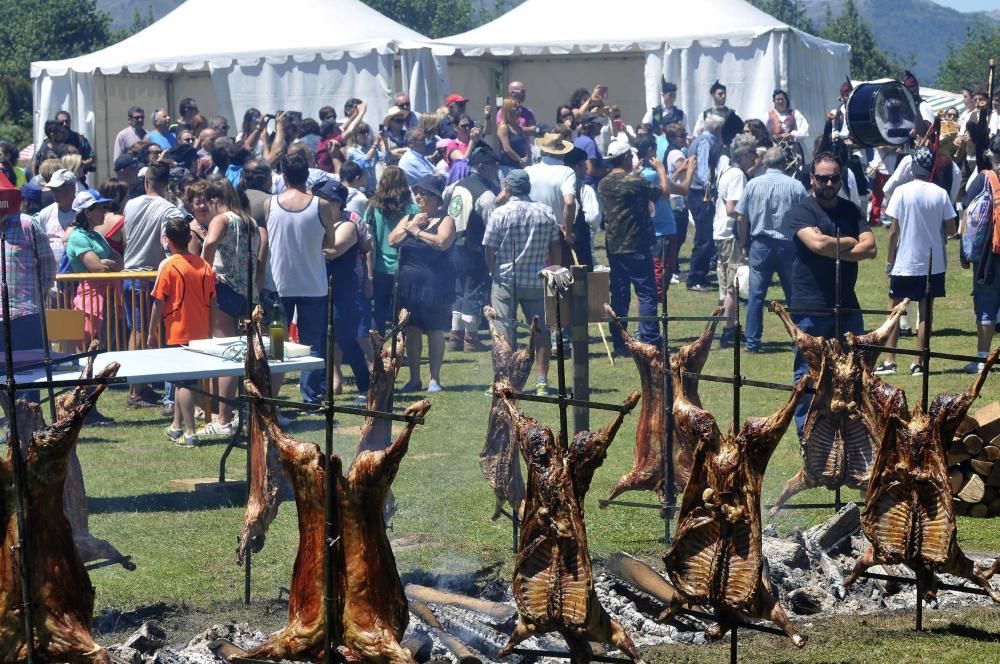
pixel 442 212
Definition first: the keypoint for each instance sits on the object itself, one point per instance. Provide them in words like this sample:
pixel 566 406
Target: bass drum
pixel 881 114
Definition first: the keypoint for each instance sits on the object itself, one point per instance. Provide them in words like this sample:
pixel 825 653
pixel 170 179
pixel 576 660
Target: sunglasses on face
pixel 190 139
pixel 404 105
pixel 827 179
pixel 138 118
pixel 465 126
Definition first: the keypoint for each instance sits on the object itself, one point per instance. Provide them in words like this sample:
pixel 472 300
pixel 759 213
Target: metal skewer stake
pixel 331 550
pixel 20 471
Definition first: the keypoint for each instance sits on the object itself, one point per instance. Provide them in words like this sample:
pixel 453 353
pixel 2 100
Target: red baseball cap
pixel 454 99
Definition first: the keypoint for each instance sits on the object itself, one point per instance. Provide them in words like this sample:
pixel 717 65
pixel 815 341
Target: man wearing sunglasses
pixel 816 222
pixel 133 133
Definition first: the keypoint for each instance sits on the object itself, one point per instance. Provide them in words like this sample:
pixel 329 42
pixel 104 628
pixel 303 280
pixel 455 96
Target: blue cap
pixel 32 192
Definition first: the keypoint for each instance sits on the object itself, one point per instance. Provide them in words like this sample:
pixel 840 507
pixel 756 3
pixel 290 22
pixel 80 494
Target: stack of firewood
pixel 974 463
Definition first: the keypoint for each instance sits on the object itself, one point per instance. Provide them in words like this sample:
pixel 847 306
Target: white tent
pixel 230 56
pixel 629 45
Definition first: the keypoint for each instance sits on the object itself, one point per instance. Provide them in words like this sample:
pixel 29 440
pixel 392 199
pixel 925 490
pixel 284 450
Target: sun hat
pixel 433 184
pixel 553 144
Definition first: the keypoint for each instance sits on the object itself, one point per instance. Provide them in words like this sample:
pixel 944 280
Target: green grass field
pixel 184 543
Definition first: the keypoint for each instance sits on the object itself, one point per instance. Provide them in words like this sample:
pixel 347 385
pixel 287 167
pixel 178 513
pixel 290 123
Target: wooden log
pixel 973 489
pixel 995 507
pixel 994 479
pixel 990 453
pixel 988 418
pixel 461 652
pixel 979 511
pixel 968 425
pixel 984 468
pixel 955 458
pixel 500 613
pixel 957 478
pixel 973 444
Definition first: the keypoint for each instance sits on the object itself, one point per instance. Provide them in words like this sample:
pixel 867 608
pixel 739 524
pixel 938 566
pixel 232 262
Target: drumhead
pixel 881 114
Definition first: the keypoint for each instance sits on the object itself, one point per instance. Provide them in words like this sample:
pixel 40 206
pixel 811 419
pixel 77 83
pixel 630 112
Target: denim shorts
pixel 986 301
pixel 139 290
pixel 229 301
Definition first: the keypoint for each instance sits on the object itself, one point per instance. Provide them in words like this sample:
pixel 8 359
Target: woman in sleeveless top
pixel 341 266
pixel 426 279
pixel 514 147
pixel 226 249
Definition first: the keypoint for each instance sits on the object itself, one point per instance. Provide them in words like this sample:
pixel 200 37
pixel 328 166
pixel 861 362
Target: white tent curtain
pixel 750 73
pixel 425 78
pixel 306 86
pixel 73 92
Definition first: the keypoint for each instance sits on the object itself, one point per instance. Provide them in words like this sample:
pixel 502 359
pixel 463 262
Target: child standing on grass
pixel 183 298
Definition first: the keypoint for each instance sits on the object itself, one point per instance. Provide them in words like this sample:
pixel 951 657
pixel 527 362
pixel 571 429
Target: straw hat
pixel 553 144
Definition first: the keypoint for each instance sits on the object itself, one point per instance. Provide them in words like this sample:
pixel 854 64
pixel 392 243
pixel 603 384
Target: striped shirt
pixel 19 259
pixel 767 201
pixel 520 231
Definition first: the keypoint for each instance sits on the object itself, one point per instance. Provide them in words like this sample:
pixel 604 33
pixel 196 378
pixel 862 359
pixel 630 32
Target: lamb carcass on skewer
pixel 376 433
pixel 499 458
pixel 909 516
pixel 89 548
pixel 650 433
pixel 716 558
pixel 62 598
pixel 266 472
pixel 836 446
pixel 373 609
pixel 553 581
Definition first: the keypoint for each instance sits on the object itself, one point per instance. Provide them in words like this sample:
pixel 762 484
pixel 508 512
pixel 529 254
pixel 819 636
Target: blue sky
pixel 970 5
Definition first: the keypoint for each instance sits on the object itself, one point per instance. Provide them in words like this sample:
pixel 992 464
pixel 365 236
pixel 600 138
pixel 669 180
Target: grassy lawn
pixel 184 543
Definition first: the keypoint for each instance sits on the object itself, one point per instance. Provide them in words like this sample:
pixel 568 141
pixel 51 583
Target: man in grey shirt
pixel 145 217
pixel 765 234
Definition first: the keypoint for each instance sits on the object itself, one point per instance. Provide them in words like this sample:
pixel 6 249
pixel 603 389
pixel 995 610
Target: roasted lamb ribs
pixel 716 558
pixel 836 446
pixel 650 434
pixel 62 599
pixel 499 459
pixel 374 611
pixel 909 517
pixel 553 581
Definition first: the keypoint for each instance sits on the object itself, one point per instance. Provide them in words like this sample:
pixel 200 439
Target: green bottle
pixel 276 330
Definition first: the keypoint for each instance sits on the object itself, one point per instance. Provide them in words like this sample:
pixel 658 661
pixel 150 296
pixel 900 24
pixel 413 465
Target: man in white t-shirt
pixel 921 216
pixel 56 218
pixel 554 183
pixel 731 181
pixel 145 218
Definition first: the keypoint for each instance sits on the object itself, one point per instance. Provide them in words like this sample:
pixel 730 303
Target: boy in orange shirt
pixel 184 296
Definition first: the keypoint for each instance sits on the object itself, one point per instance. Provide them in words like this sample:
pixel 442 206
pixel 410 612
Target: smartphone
pixel 602 90
pixel 488 101
pixel 381 128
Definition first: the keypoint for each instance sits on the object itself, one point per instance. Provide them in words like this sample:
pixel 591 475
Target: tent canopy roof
pixel 243 32
pixel 545 26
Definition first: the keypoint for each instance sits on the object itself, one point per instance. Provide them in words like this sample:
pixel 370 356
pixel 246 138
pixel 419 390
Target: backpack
pixel 978 215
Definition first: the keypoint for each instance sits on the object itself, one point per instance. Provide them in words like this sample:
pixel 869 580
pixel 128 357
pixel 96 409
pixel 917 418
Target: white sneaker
pixel 675 279
pixel 973 367
pixel 215 430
